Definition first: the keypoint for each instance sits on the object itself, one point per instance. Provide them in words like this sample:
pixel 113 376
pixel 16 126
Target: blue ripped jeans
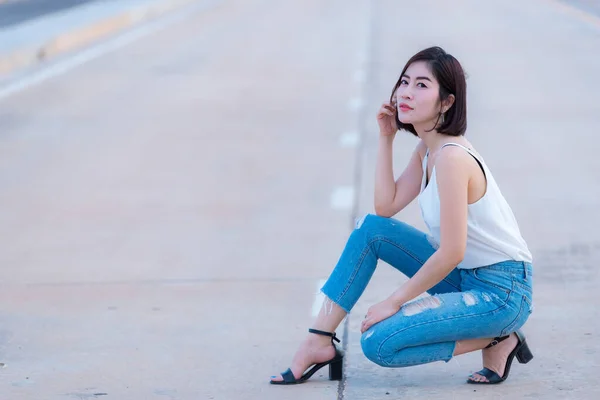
pixel 484 302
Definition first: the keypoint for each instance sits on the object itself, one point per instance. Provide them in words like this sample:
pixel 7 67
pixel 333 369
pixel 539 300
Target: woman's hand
pixel 386 118
pixel 378 313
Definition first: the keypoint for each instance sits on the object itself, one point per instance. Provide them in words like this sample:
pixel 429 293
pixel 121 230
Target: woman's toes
pixel 477 378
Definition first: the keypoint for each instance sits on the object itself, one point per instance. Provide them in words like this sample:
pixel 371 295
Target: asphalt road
pixel 169 209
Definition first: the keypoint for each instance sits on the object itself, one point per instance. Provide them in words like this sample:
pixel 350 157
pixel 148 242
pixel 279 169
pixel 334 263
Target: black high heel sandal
pixel 521 351
pixel 335 365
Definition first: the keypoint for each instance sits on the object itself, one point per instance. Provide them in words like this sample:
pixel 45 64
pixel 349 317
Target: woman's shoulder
pixel 452 157
pixel 465 149
pixel 421 149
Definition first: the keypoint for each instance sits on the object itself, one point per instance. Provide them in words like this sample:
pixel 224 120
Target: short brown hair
pixel 449 73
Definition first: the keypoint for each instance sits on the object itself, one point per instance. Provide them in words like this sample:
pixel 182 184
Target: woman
pixel 474 264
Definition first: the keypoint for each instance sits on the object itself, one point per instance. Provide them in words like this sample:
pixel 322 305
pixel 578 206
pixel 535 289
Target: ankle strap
pixel 496 341
pixel 318 332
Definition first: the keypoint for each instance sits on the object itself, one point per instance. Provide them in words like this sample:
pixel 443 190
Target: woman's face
pixel 417 97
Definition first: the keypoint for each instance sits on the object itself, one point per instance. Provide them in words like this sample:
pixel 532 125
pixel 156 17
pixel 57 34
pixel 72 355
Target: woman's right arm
pixel 391 197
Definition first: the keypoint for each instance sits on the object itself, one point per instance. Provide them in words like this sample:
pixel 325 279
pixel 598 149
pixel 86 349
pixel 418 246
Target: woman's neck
pixel 434 140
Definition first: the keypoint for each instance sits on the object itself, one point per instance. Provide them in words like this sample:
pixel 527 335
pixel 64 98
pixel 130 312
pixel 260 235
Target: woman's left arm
pixel 452 175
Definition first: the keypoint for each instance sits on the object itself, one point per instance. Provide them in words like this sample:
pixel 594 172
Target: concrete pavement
pixel 162 207
pixel 168 210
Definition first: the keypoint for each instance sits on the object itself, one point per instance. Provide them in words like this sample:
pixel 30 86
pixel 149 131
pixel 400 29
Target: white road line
pixel 342 198
pixel 60 67
pixel 319 298
pixel 349 139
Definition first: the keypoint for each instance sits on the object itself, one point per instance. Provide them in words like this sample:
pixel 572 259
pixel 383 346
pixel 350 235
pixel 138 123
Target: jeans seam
pixel 513 322
pixel 451 284
pixel 429 322
pixel 508 291
pixel 368 248
pixel 522 286
pixel 355 272
pixel 426 361
pixel 416 258
pixel 421 361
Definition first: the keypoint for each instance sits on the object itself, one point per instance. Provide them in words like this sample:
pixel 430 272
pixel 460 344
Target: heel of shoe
pixel 336 370
pixel 524 355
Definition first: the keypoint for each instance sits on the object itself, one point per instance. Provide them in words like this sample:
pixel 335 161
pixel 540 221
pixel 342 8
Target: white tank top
pixel 492 231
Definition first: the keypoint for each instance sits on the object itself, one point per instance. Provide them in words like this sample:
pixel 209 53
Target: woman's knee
pixel 370 345
pixel 384 343
pixel 377 347
pixel 393 355
pixel 369 229
pixel 368 221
